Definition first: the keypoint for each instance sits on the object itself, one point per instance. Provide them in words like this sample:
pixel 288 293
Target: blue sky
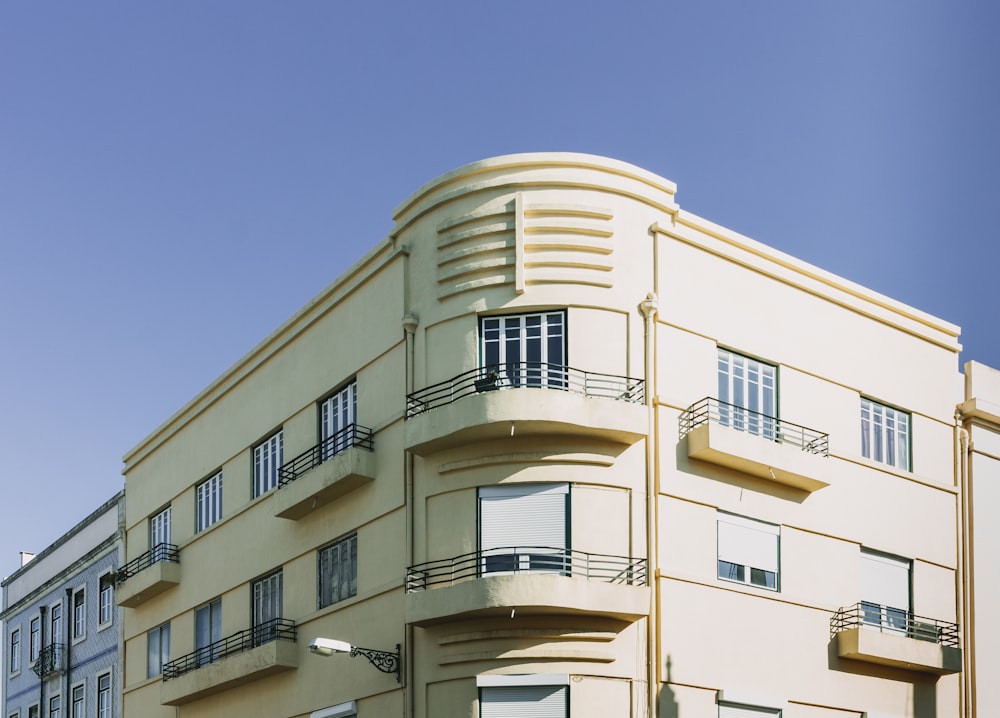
pixel 177 178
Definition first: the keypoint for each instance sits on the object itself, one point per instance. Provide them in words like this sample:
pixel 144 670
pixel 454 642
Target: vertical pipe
pixel 649 309
pixel 41 645
pixel 409 699
pixel 68 696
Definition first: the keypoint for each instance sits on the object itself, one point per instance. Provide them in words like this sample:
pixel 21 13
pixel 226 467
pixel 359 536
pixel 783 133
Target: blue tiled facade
pixel 61 588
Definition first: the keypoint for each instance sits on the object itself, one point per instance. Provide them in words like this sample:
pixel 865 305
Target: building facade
pixel 557 447
pixel 62 625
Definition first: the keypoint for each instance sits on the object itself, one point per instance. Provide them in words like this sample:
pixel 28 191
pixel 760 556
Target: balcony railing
pixel 350 436
pixel 50 660
pixel 894 621
pixel 526 560
pixel 277 629
pixel 514 375
pixel 160 552
pixel 753 422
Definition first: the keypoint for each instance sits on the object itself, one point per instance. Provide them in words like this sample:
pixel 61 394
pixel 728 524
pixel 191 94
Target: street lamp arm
pixel 385 661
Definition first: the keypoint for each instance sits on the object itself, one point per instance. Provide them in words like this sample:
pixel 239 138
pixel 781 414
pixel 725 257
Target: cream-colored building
pixel 557 447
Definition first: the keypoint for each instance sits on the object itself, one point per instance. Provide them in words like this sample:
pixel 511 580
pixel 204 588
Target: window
pixel 79 613
pixel 338 414
pixel 15 650
pixel 523 701
pixel 266 607
pixel 104 696
pixel 159 534
pixel 748 551
pixel 885 434
pixel 106 599
pixel 76 702
pixel 55 707
pixel 267 459
pixel 338 571
pixel 747 394
pixel 33 711
pixel 885 591
pixel 207 631
pixel 34 638
pixel 157 650
pixel 525 349
pixel 15 714
pixel 55 623
pixel 733 710
pixel 208 496
pixel 523 528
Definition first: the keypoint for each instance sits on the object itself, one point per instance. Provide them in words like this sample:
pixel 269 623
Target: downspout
pixel 649 308
pixel 409 699
pixel 70 617
pixel 41 645
pixel 965 580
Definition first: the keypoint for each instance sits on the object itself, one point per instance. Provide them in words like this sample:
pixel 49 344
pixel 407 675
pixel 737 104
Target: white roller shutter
pixel 523 702
pixel 885 580
pixel 734 711
pixel 527 516
pixel 748 543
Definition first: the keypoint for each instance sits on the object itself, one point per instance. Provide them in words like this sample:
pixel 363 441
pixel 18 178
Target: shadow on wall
pixel 924 685
pixel 668 707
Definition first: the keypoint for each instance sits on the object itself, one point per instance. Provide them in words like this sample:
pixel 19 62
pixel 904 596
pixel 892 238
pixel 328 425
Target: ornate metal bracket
pixel 385 661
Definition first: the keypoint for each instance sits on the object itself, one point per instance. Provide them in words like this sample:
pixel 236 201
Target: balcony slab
pixel 335 477
pixel 151 581
pixel 230 672
pixel 899 651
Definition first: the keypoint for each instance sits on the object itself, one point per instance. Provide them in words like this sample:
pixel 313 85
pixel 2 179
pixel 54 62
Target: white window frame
pixel 742 542
pixel 878 610
pixel 526 685
pixel 337 413
pixel 56 634
pixel 159 533
pixel 105 600
pixel 341 553
pixel 745 710
pixel 14 649
pixel 341 710
pixel 268 457
pixel 78 708
pixel 885 434
pixel 104 696
pixel 513 544
pixel 266 604
pixel 155 668
pixel 78 632
pixel 748 394
pixel 524 349
pixel 208 502
pixel 34 637
pixel 55 705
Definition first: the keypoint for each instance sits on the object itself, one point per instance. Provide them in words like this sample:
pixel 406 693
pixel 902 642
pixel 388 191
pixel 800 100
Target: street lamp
pixel 385 661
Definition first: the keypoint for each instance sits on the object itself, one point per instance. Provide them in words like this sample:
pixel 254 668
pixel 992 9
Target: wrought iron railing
pixel 277 629
pixel 753 422
pixel 515 375
pixel 349 436
pixel 50 660
pixel 526 559
pixel 895 621
pixel 160 552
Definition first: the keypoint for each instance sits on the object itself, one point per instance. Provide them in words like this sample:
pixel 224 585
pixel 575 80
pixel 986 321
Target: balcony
pixel 240 658
pixel 893 637
pixel 149 575
pixel 503 401
pixel 756 444
pixel 324 473
pixel 51 660
pixel 534 579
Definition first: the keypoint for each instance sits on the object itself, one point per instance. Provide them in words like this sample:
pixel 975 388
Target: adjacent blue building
pixel 62 627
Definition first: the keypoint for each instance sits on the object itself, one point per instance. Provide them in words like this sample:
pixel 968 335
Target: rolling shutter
pixel 734 711
pixel 523 702
pixel 748 543
pixel 528 516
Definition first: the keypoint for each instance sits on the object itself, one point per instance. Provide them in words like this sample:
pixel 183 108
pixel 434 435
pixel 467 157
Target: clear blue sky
pixel 177 178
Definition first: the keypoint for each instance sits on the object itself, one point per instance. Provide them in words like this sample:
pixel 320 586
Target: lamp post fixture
pixel 385 661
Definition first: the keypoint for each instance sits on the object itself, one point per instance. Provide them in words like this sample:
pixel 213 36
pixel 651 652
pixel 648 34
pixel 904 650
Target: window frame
pixel 551 345
pixel 878 439
pixel 208 502
pixel 878 614
pixel 212 609
pixel 55 705
pixel 33 710
pixel 160 531
pixel 351 541
pixel 496 562
pixel 14 651
pixel 524 683
pixel 746 524
pixel 745 404
pixel 55 636
pixel 104 692
pixel 105 600
pixel 266 467
pixel 34 637
pixel 163 652
pixel 730 709
pixel 76 703
pixel 337 412
pixel 78 627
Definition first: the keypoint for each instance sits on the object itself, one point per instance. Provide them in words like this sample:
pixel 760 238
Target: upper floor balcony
pixel 240 658
pixel 51 659
pixel 756 444
pixel 148 575
pixel 894 637
pixel 535 579
pixel 506 400
pixel 335 466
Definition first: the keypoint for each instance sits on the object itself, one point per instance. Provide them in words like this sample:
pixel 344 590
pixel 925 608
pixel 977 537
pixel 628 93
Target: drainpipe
pixel 41 645
pixel 964 579
pixel 649 308
pixel 70 617
pixel 409 698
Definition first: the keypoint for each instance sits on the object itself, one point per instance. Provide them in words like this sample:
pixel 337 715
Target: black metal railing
pixel 50 660
pixel 350 436
pixel 277 629
pixel 526 559
pixel 896 621
pixel 753 422
pixel 515 375
pixel 160 552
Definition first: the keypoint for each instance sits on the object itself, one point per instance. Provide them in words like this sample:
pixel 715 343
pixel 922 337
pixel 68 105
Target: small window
pixel 338 571
pixel 34 638
pixel 79 613
pixel 266 594
pixel 15 650
pixel 885 434
pixel 15 714
pixel 159 534
pixel 338 420
pixel 267 460
pixel 208 632
pixel 106 600
pixel 748 394
pixel 157 650
pixel 55 624
pixel 209 501
pixel 104 696
pixel 748 551
pixel 33 711
pixel 524 702
pixel 55 707
pixel 76 702
pixel 733 710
